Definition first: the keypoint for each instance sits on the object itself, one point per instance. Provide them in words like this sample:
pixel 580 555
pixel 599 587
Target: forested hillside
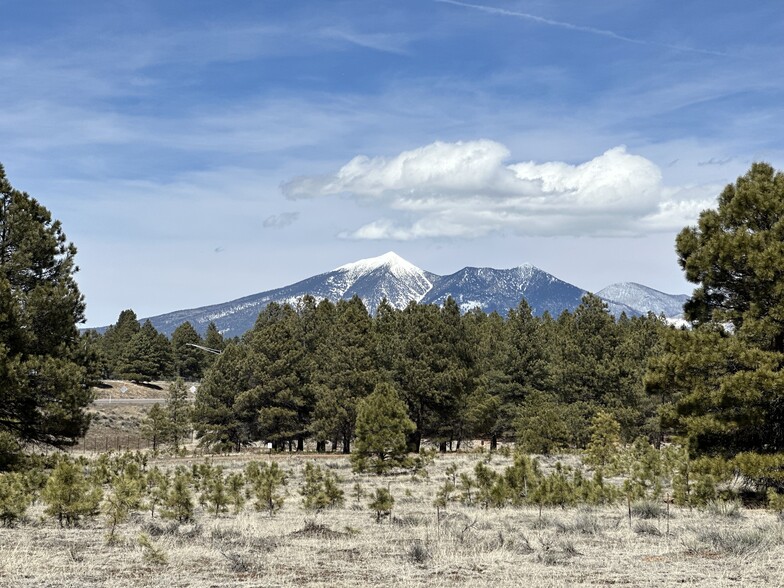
pixel 301 372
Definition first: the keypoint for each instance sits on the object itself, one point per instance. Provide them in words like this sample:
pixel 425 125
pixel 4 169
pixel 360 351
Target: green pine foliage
pixel 124 496
pixel 178 504
pixel 14 498
pixel 216 495
pixel 44 379
pixel 157 489
pixel 382 429
pixel 155 426
pixel 268 480
pixel 147 356
pixel 603 449
pixel 178 413
pixel 189 361
pixel 69 495
pixel 382 503
pixel 235 487
pixel 320 489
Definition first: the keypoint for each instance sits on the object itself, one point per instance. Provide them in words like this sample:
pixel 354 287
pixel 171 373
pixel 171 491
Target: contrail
pixel 574 27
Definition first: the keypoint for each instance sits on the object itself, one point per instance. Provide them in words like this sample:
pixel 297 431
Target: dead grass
pixel 345 547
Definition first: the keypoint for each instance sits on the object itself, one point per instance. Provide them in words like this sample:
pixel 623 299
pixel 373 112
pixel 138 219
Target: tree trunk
pixel 442 447
pixel 300 444
pixel 414 441
pixel 494 442
pixel 346 445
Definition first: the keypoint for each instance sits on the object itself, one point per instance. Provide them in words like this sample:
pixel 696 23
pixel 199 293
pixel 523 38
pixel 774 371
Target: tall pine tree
pixel 43 390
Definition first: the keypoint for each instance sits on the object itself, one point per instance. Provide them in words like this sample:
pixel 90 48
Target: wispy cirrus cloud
pixel 468 189
pixel 574 27
pixel 396 43
pixel 280 221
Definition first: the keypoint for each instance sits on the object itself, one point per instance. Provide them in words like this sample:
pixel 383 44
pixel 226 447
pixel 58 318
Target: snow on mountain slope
pixel 499 290
pixel 391 277
pixel 387 276
pixel 645 299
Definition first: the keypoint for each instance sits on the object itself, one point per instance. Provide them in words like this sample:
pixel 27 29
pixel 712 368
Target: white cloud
pixel 467 189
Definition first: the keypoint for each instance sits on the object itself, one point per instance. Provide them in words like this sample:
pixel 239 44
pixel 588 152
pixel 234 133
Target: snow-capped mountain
pixel 642 297
pixel 499 290
pixel 387 276
pixel 393 278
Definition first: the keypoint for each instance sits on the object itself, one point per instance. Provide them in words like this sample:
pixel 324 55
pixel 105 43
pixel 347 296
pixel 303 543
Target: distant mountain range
pixel 391 277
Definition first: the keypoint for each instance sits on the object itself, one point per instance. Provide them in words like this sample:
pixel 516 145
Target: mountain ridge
pixel 400 282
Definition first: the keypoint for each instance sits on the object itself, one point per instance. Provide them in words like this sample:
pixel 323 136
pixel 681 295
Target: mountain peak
pixel 644 297
pixel 390 260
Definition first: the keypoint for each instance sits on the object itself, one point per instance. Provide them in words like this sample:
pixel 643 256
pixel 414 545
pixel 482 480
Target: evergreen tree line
pixel 303 372
pixel 130 351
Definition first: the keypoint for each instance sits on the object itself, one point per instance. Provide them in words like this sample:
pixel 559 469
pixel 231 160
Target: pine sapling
pixel 382 503
pixel 267 486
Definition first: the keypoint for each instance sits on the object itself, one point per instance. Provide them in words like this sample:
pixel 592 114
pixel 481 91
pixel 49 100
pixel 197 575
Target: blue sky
pixel 200 151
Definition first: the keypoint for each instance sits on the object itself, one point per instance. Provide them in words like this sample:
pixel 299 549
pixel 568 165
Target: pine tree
pixel 178 411
pixel 280 373
pixel 223 423
pixel 68 494
pixel 382 503
pixel 345 371
pixel 14 498
pixel 267 485
pixel 735 256
pixel 216 494
pixel 116 339
pixel 147 356
pixel 155 426
pixel 602 450
pixel 125 495
pixel 320 489
pixel 485 411
pixel 189 361
pixel 432 369
pixel 382 428
pixel 235 484
pixel 44 389
pixel 157 489
pixel 717 393
pixel 178 504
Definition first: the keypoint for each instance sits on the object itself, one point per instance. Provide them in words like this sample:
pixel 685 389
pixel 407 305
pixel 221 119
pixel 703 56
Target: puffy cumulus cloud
pixel 470 189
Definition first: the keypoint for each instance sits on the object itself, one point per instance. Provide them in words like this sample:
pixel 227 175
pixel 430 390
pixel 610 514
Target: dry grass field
pixel 469 546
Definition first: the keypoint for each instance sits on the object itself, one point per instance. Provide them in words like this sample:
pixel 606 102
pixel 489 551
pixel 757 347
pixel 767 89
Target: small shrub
pixel 151 553
pixel 267 484
pixel 320 489
pixel 69 495
pixel 647 528
pixel 730 509
pixel 238 563
pixel 647 509
pixel 418 553
pixel 179 500
pixel 14 498
pixel 569 549
pixel 775 501
pixel 587 524
pixel 382 503
pixel 734 542
pixel 357 492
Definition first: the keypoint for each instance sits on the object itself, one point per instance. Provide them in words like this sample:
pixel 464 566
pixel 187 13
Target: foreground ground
pixel 469 546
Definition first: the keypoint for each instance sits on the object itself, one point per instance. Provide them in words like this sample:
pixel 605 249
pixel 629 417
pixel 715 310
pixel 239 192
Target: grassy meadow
pixel 417 545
